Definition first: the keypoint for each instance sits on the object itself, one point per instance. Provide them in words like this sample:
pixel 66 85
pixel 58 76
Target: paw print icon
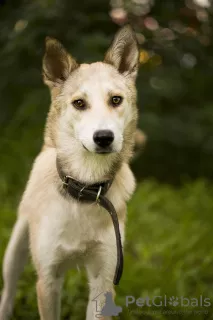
pixel 173 301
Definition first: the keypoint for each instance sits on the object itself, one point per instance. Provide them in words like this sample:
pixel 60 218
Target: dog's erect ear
pixel 57 63
pixel 123 53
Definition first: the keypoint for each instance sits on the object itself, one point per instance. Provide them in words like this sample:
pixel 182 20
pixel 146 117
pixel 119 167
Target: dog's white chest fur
pixel 63 229
pixel 74 230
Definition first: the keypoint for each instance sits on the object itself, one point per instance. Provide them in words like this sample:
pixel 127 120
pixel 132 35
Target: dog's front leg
pixel 101 270
pixel 49 297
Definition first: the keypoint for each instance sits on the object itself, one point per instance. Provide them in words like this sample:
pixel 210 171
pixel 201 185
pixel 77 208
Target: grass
pixel 168 251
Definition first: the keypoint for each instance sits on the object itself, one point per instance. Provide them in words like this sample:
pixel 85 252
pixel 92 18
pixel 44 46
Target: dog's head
pixel 93 105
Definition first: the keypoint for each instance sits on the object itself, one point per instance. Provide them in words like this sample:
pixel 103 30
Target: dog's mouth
pixel 101 150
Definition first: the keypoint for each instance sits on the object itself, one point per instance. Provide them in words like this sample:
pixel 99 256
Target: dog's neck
pixel 89 169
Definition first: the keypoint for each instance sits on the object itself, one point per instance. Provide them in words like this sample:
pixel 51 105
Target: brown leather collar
pixel 79 190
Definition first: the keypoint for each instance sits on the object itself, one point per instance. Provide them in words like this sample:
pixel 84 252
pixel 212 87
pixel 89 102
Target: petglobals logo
pixel 164 301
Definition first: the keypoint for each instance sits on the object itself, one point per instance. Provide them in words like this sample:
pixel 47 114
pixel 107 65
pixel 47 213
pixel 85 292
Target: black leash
pixel 96 193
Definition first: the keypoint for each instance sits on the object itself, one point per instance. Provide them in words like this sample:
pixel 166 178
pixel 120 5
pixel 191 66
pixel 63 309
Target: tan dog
pixel 90 129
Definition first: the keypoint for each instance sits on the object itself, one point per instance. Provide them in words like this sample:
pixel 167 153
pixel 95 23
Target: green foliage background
pixel 169 242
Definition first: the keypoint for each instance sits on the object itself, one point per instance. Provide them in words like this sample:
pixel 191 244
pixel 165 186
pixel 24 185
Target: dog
pixel 90 132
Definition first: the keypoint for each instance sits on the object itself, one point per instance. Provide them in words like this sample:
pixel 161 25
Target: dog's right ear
pixel 123 53
pixel 57 63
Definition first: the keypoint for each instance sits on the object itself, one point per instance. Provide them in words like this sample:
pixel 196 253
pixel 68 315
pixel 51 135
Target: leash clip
pixel 98 194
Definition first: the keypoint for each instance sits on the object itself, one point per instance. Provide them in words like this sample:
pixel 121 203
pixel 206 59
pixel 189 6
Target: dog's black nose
pixel 103 138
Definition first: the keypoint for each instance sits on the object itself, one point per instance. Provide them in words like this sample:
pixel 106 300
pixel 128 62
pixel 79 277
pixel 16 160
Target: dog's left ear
pixel 123 53
pixel 57 63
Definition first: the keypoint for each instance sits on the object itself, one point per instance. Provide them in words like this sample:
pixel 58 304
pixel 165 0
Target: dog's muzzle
pixel 96 193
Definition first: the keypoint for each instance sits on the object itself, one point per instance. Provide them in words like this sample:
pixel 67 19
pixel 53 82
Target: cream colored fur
pixel 62 232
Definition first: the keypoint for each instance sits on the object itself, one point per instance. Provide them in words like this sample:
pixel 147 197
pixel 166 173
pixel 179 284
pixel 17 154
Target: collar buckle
pixel 80 192
pixel 66 179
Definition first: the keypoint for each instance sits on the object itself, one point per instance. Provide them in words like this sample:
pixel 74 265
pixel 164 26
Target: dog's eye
pixel 116 101
pixel 79 104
